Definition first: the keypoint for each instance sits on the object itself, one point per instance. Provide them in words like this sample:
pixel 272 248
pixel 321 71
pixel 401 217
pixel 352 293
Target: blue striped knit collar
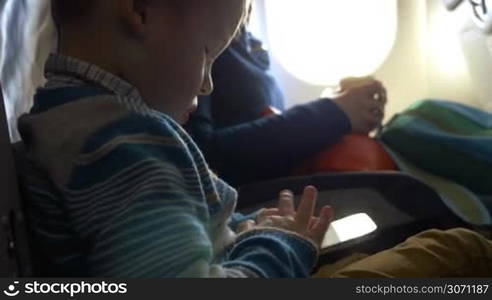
pixel 61 70
pixel 65 73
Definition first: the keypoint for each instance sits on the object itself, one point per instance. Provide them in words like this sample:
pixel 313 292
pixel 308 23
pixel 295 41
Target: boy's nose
pixel 207 85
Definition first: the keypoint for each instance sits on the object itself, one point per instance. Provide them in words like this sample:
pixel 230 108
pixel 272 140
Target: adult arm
pixel 269 147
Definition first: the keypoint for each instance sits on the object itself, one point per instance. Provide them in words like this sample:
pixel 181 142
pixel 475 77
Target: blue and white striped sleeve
pixel 136 202
pixel 138 213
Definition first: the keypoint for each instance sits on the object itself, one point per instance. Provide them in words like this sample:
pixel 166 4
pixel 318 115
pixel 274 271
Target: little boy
pixel 116 187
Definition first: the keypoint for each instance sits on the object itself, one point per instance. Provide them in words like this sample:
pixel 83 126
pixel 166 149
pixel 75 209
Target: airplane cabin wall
pixel 448 74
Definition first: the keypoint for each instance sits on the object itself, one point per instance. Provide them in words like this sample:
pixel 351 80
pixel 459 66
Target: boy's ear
pixel 135 15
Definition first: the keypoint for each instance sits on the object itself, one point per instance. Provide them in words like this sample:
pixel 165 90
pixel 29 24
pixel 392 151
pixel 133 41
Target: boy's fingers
pixel 277 222
pixel 313 222
pixel 267 212
pixel 324 220
pixel 306 208
pixel 246 226
pixel 286 204
pixel 270 212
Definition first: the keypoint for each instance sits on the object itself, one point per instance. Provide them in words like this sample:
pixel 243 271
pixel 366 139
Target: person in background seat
pixel 244 146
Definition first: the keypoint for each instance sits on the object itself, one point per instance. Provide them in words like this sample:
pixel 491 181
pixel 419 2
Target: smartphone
pixel 348 228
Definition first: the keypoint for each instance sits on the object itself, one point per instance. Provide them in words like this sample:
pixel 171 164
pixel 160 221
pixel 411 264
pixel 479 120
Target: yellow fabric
pixel 431 254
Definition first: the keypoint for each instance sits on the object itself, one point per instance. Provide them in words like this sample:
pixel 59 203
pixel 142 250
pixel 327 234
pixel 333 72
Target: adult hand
pixel 363 100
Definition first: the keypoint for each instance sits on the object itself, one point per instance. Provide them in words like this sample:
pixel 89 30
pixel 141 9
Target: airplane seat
pixel 15 258
pixel 40 265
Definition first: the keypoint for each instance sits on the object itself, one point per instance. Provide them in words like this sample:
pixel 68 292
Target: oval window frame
pixel 330 70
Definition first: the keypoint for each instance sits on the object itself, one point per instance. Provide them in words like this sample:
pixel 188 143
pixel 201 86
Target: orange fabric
pixel 270 111
pixel 355 152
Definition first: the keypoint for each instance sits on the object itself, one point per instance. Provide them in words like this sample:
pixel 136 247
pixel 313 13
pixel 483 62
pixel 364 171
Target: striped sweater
pixel 117 189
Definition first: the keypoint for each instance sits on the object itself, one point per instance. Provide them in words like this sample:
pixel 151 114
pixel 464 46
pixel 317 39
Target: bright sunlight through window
pixel 323 41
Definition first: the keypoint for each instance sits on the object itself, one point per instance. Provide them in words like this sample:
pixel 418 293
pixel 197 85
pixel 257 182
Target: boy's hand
pixel 302 221
pixel 363 100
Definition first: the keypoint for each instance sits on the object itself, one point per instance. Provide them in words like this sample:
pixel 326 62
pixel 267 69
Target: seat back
pixel 14 247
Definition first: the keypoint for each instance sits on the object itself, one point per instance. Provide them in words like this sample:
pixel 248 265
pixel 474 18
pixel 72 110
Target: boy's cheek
pixel 185 117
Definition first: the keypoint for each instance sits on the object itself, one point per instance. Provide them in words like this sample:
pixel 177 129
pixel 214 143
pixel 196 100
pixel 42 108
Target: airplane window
pixel 320 41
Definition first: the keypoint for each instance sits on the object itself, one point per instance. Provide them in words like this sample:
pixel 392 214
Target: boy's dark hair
pixel 68 11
